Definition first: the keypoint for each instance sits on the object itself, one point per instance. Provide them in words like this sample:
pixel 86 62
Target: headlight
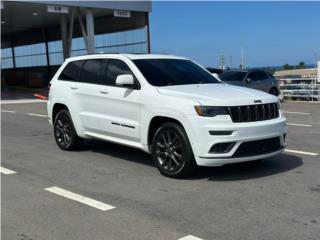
pixel 210 111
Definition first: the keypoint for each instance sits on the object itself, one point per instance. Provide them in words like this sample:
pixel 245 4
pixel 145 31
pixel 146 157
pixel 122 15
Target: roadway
pixel 107 191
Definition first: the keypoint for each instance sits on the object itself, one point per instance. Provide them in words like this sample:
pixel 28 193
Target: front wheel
pixel 172 151
pixel 64 131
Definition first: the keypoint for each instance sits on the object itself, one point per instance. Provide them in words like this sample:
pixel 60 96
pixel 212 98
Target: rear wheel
pixel 172 151
pixel 64 131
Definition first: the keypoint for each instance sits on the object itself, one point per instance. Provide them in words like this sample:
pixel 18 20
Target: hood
pixel 219 94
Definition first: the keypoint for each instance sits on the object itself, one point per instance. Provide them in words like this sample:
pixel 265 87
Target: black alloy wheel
pixel 64 131
pixel 172 152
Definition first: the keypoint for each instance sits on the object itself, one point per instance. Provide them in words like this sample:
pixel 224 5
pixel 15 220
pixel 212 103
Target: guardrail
pixel 306 89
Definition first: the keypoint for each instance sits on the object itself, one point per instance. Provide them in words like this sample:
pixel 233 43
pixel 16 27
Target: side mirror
pixel 215 75
pixel 248 80
pixel 125 80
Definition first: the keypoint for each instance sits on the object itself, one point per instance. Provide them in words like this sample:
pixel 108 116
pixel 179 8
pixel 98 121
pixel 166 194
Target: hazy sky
pixel 271 33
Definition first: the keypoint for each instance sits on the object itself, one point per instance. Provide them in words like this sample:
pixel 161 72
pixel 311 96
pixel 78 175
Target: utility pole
pixel 315 58
pixel 221 61
pixel 231 61
pixel 242 59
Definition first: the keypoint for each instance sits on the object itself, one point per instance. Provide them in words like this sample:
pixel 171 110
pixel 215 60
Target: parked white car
pixel 165 105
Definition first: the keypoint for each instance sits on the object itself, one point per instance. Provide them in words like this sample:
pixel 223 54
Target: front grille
pixel 258 147
pixel 253 113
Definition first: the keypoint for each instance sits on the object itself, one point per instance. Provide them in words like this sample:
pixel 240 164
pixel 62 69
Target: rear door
pixel 267 81
pixel 87 94
pixel 68 82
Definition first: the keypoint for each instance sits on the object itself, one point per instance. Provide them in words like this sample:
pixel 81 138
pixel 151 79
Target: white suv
pixel 166 105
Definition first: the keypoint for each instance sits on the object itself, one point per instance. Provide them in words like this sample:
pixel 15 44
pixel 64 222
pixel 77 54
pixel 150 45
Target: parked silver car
pixel 257 79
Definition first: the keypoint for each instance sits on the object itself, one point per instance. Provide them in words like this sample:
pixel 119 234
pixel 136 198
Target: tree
pixel 301 65
pixel 287 67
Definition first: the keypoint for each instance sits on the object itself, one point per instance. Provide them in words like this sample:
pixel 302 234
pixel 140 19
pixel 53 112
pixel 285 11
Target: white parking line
pixel 302 152
pixel 190 237
pixel 76 197
pixel 302 113
pixel 8 111
pixel 298 124
pixel 21 101
pixel 37 115
pixel 6 171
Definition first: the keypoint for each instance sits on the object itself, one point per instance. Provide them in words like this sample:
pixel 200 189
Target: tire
pixel 274 91
pixel 171 151
pixel 64 132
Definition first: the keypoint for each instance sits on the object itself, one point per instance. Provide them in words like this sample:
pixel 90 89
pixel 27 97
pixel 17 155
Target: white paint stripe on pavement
pixel 190 237
pixel 76 197
pixel 301 152
pixel 298 124
pixel 8 111
pixel 19 101
pixel 6 171
pixel 37 115
pixel 302 113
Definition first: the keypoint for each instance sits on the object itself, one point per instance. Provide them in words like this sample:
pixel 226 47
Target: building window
pixel 55 53
pixel 132 41
pixel 34 55
pixel 30 55
pixel 78 47
pixel 6 58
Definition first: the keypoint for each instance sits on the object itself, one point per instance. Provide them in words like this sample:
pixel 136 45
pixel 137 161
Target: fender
pixel 73 114
pixel 163 112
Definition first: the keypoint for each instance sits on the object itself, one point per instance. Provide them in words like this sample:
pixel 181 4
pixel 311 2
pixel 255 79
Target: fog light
pixel 220 132
pixel 222 147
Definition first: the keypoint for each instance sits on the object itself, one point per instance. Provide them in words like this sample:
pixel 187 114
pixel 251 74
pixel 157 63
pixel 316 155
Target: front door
pixel 105 108
pixel 253 80
pixel 119 106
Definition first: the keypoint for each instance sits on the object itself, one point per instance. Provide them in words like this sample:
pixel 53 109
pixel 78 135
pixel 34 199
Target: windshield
pixel 232 76
pixel 167 72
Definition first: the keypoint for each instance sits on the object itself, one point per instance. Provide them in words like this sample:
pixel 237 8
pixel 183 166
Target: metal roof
pixel 140 6
pixel 25 22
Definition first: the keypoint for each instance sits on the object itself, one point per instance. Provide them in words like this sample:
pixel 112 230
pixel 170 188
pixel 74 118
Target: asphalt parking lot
pixel 127 198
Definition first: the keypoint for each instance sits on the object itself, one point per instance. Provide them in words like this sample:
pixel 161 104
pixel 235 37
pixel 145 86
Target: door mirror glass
pixel 248 80
pixel 125 80
pixel 215 75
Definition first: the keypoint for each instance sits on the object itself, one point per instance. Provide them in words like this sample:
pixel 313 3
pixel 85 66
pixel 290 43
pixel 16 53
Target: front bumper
pixel 223 161
pixel 202 141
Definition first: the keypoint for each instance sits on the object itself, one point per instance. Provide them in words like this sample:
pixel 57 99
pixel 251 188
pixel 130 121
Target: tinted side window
pixel 232 76
pixel 270 75
pixel 114 69
pixel 93 71
pixel 261 75
pixel 71 71
pixel 257 75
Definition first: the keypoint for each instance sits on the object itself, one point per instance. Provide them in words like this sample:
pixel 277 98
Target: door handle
pixel 73 88
pixel 104 91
